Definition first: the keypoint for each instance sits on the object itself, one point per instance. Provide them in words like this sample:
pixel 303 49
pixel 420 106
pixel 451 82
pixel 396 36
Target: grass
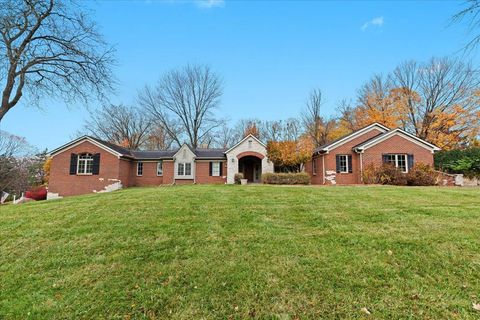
pixel 205 252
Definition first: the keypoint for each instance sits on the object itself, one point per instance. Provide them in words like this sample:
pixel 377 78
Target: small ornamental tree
pixel 290 156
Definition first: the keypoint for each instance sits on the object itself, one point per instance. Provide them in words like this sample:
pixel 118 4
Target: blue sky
pixel 270 54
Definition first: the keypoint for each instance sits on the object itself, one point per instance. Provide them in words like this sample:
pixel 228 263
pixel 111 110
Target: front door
pixel 248 171
pixel 251 167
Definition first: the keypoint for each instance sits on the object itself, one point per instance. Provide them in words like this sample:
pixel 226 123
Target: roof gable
pixel 332 145
pixel 387 135
pixel 185 148
pixel 243 140
pixel 109 147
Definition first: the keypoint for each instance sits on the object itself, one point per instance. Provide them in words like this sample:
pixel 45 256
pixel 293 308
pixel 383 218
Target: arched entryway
pixel 251 167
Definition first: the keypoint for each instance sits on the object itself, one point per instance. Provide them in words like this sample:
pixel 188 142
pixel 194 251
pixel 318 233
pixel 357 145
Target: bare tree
pixel 226 136
pixel 347 117
pixel 439 92
pixel 184 101
pixel 50 48
pixel 123 125
pixel 314 124
pixel 246 126
pixel 272 130
pixel 292 129
pixel 158 139
pixel 311 118
pixel 14 164
pixel 471 13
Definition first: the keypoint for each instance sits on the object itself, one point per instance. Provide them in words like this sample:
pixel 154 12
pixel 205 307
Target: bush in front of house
pixel 384 174
pixel 464 161
pixel 286 178
pixel 422 175
pixel 237 177
pixel 37 193
pixel 419 175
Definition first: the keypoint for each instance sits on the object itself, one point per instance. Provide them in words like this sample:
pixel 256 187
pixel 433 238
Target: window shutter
pixel 210 169
pixel 96 163
pixel 337 159
pixel 384 158
pixel 350 164
pixel 410 161
pixel 73 163
pixel 221 169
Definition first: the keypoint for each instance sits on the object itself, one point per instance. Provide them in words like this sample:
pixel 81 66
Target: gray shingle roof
pixel 160 154
pixel 203 153
pixel 117 148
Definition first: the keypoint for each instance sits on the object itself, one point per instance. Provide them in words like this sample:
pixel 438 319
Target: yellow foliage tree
pixel 290 155
pixel 46 168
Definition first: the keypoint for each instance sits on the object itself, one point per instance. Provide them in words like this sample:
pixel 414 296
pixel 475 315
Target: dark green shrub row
pixel 286 178
pixel 466 161
pixel 419 175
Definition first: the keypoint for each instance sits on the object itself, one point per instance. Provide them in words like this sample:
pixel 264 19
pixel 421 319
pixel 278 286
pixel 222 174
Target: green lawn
pixel 203 252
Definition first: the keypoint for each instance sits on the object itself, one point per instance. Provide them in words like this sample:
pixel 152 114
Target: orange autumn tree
pixel 290 156
pixel 252 129
pixel 438 101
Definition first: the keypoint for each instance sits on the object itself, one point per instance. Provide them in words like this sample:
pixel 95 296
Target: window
pixel 343 164
pixel 216 169
pixel 160 168
pixel 139 168
pixel 188 169
pixel 181 169
pixel 397 160
pixel 314 166
pixel 85 164
pixel 184 169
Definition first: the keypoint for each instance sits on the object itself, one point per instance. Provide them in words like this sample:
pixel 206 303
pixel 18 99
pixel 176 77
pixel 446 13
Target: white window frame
pixel 396 157
pixel 160 168
pixel 216 171
pixel 86 160
pixel 139 169
pixel 347 165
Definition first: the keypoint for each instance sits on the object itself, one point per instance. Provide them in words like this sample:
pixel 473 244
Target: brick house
pixel 343 161
pixel 88 164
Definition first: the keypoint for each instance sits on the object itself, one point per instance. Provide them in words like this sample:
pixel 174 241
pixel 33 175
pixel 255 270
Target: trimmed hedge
pixel 286 178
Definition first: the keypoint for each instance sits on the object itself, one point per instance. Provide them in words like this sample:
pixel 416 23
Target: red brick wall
pixel 149 176
pixel 397 144
pixel 202 173
pixel 317 178
pixel 331 164
pixel 64 184
pixel 168 176
pixel 184 181
pixel 125 172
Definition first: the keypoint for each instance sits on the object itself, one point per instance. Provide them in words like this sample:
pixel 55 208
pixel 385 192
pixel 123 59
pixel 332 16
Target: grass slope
pixel 192 252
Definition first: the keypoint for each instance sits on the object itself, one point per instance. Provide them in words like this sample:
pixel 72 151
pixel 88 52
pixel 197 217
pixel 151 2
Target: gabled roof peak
pixel 329 146
pixel 251 136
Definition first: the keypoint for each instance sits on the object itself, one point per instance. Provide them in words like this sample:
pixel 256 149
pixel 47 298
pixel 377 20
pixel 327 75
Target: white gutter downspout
pixel 361 167
pixel 323 168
